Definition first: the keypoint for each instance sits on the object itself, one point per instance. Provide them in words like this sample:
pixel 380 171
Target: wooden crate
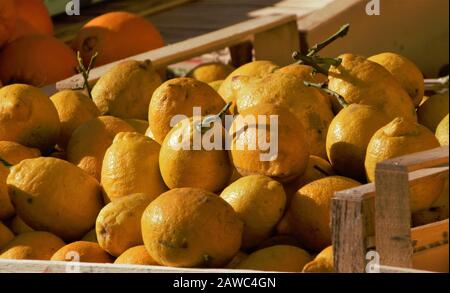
pixel 272 38
pixel 417 29
pixel 376 217
pixel 275 37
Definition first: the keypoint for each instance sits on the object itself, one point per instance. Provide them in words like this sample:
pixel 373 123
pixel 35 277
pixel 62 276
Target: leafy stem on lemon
pixel 342 32
pixel 85 71
pixel 323 87
pixel 206 123
pixel 316 61
pixel 5 163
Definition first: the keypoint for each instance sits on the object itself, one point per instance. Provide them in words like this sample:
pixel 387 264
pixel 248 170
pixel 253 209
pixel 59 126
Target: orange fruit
pixel 13 152
pixel 116 35
pixel 82 251
pixel 53 195
pixel 37 60
pixel 74 108
pixel 35 14
pixel 6 207
pixel 191 227
pixel 27 116
pixel 37 245
pixel 21 29
pixel 8 16
pixel 89 142
pixel 6 235
pixel 136 255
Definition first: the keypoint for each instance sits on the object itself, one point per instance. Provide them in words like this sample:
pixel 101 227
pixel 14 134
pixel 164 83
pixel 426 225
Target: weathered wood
pixel 39 266
pixel 277 44
pixel 393 182
pixel 421 160
pixel 352 218
pixel 356 218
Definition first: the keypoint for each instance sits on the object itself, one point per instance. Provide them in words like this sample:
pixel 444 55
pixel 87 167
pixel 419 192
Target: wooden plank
pixel 39 266
pixel 433 259
pixel 277 44
pixel 426 159
pixel 430 235
pixel 430 244
pixel 390 270
pixel 352 223
pixel 190 48
pixel 392 207
pixel 393 216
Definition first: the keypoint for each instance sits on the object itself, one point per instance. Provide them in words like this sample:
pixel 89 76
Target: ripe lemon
pixel 287 90
pixel 53 195
pixel 322 263
pixel 179 96
pixel 18 226
pixel 82 251
pixel 189 227
pixel 433 110
pixel 317 168
pixel 308 215
pixel 13 152
pixel 185 163
pixel 401 137
pixel 442 131
pixel 74 108
pixel 118 225
pixel 27 116
pixel 278 258
pixel 130 165
pixel 236 260
pixel 6 235
pixel 361 81
pixel 90 236
pixel 404 71
pixel 37 245
pixel 348 137
pixel 136 255
pixel 307 73
pixel 257 68
pixel 259 201
pixel 89 142
pixel 209 72
pixel 216 84
pixel 126 89
pixel 286 155
pixel 6 208
pixel 139 125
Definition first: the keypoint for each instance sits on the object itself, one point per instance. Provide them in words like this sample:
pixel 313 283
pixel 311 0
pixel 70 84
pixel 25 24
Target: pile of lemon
pixel 97 174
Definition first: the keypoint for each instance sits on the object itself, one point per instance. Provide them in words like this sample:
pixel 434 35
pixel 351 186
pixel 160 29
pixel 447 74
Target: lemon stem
pixel 5 163
pixel 342 32
pixel 85 71
pixel 206 123
pixel 323 87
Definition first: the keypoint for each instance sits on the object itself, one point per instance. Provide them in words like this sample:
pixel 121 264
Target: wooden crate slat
pixel 190 48
pixel 392 202
pixel 352 218
pixel 421 160
pixel 40 266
